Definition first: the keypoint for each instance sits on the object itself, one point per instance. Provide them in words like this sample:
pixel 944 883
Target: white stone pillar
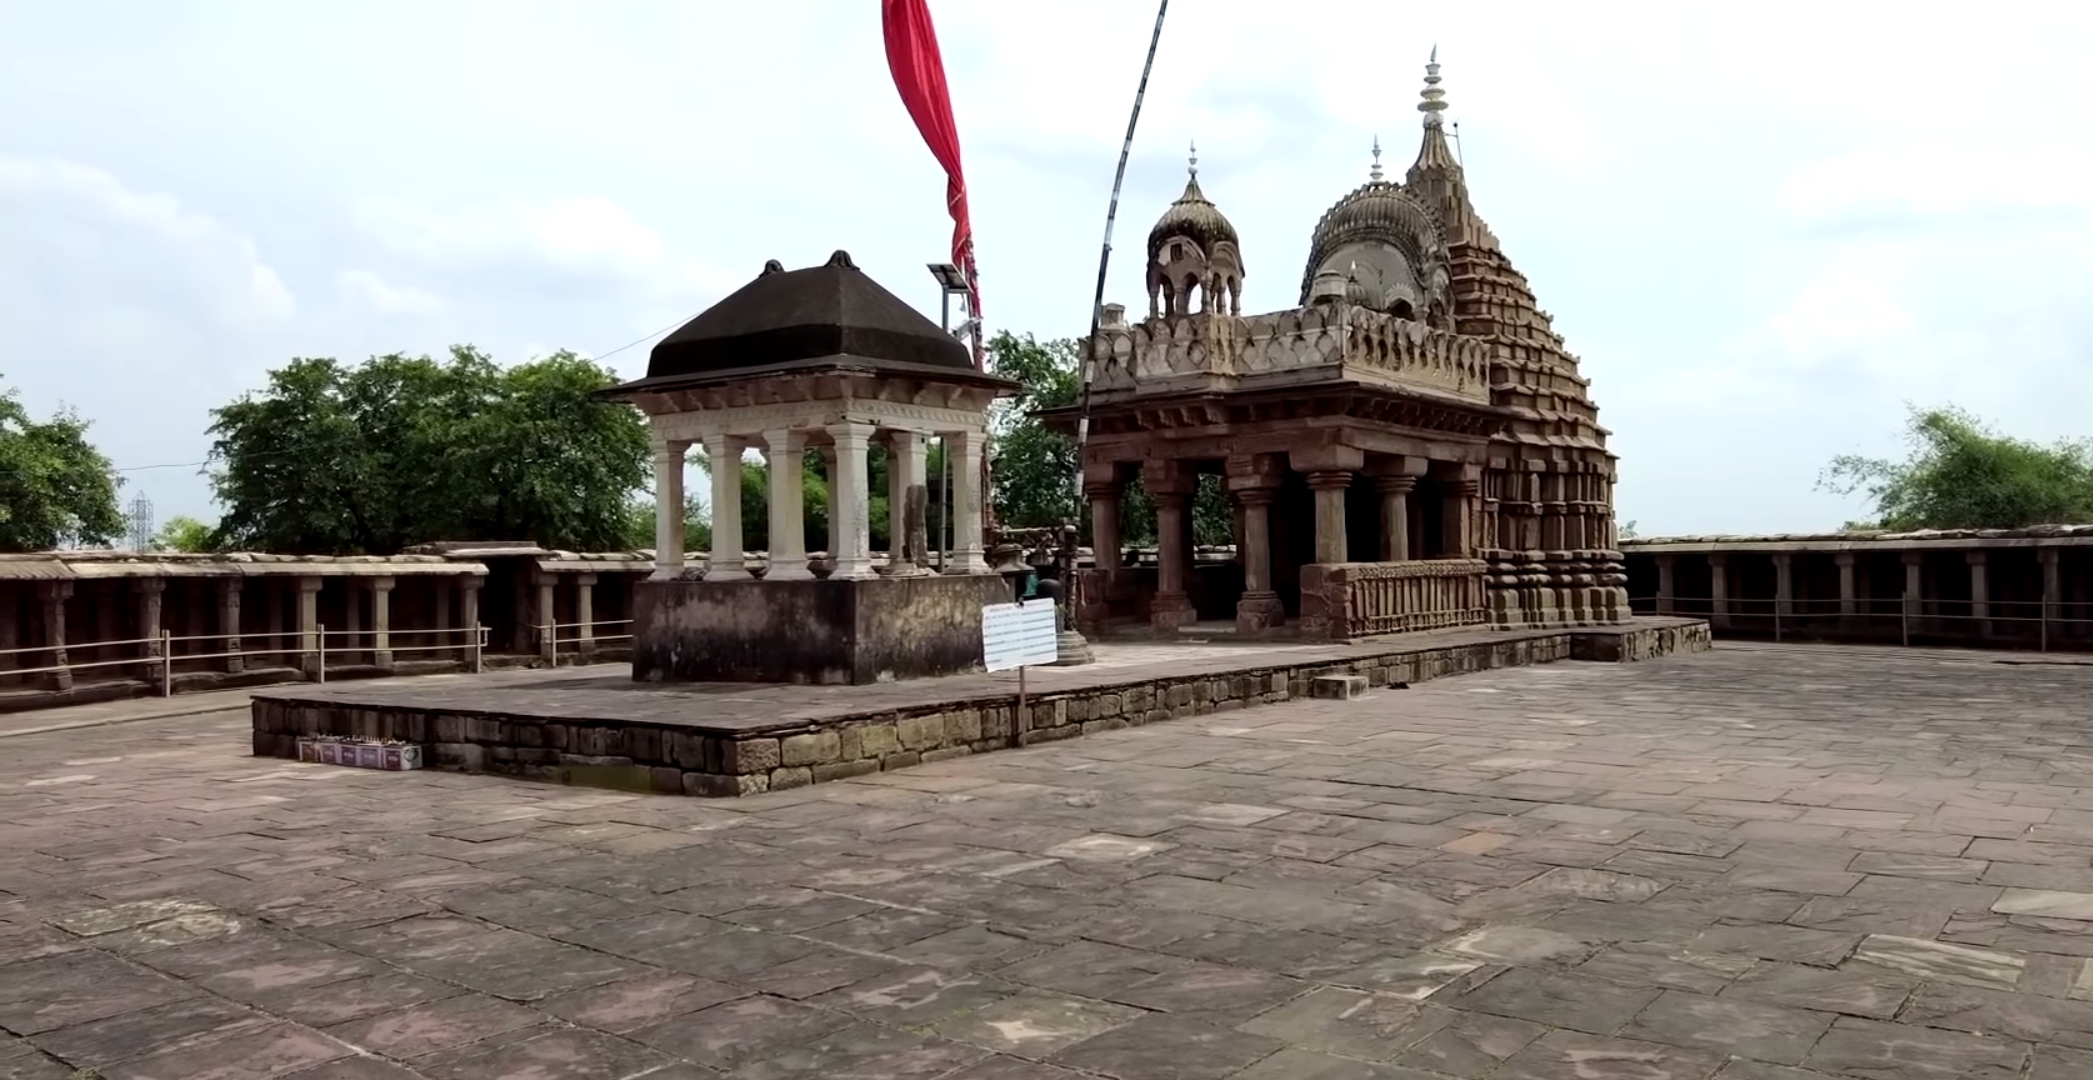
pixel 1667 587
pixel 964 450
pixel 849 497
pixel 1849 593
pixel 725 563
pixel 785 450
pixel 668 507
pixel 381 621
pixel 1783 584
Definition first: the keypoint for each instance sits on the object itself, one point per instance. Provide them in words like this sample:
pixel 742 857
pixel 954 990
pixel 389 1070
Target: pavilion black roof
pixel 833 315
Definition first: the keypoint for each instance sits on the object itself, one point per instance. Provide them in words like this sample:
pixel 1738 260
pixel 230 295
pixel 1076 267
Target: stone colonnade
pixel 844 447
pixel 242 641
pixel 1919 603
pixel 1253 482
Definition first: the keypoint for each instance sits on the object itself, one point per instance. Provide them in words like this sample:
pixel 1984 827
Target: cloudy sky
pixel 1764 231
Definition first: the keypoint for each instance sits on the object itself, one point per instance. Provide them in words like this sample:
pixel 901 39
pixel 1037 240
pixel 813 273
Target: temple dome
pixel 1192 217
pixel 1381 215
pixel 1195 262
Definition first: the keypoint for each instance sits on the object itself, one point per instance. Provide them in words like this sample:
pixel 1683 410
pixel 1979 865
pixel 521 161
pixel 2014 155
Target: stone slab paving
pixel 1763 863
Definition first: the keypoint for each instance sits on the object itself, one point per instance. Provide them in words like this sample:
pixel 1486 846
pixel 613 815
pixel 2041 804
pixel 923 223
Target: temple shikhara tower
pixel 1410 448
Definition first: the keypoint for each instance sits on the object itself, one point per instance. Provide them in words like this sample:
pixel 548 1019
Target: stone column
pixel 381 621
pixel 963 449
pixel 585 610
pixel 668 507
pixel 849 500
pixel 149 591
pixel 1718 591
pixel 2052 591
pixel 724 563
pixel 1783 586
pixel 1395 516
pixel 53 595
pixel 1849 593
pixel 1330 487
pixel 1105 542
pixel 1914 585
pixel 1667 584
pixel 309 624
pixel 1459 523
pixel 469 620
pixel 1172 605
pixel 545 607
pixel 1255 480
pixel 785 450
pixel 908 504
pixel 229 624
pixel 1260 607
pixel 1979 590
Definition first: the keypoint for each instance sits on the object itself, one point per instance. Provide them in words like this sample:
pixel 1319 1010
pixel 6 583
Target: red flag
pixel 919 73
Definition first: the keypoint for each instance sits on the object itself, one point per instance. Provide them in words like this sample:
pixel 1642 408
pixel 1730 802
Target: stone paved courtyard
pixel 1763 863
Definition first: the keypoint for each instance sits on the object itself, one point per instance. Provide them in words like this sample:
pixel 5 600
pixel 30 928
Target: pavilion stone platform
pixel 720 738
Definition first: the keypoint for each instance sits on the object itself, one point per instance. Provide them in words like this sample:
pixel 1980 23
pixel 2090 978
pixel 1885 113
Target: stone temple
pixel 1409 448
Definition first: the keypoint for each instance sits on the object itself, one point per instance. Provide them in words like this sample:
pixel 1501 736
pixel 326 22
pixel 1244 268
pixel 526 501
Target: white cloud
pixel 71 211
pixel 370 292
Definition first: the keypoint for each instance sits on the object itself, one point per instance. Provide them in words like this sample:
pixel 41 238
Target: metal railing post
pixel 2045 624
pixel 320 643
pixel 479 641
pixel 1904 619
pixel 166 664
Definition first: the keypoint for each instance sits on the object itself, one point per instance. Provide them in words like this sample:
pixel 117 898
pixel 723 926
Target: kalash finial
pixel 1192 166
pixel 1375 173
pixel 1434 101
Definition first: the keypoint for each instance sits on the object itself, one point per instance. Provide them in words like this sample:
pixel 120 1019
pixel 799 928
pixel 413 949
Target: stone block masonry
pixel 609 732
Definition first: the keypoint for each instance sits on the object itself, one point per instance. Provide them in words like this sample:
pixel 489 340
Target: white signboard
pixel 1018 635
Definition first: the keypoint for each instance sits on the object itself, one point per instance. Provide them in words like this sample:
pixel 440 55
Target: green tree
pixel 1032 466
pixel 400 450
pixel 184 534
pixel 1962 475
pixel 55 487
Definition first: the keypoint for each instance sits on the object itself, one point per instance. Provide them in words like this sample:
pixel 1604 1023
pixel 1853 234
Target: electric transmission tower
pixel 141 524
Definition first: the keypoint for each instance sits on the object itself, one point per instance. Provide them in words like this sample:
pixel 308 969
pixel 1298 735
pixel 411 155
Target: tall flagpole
pixel 1104 258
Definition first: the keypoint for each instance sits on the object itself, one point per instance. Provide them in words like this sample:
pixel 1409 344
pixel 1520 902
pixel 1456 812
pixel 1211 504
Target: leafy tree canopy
pixel 56 489
pixel 1034 466
pixel 184 534
pixel 1962 475
pixel 400 450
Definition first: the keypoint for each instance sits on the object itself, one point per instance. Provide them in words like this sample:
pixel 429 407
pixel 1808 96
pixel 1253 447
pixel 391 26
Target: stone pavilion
pixel 1409 448
pixel 824 358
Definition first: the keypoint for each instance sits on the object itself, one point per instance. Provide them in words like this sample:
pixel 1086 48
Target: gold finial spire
pixel 1434 101
pixel 1375 172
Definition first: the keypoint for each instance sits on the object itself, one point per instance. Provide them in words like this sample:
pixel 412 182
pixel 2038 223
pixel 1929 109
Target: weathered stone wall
pixel 812 631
